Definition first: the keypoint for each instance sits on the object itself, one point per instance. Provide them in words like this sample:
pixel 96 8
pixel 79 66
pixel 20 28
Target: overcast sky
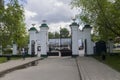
pixel 56 12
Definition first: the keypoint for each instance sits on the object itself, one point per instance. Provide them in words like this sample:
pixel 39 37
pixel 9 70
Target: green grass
pixel 4 59
pixel 15 58
pixel 112 61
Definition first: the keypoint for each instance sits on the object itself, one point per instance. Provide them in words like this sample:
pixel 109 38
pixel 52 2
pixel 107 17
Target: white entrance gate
pixel 40 38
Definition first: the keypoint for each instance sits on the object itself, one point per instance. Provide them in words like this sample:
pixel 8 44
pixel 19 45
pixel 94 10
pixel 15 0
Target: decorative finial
pixel 33 25
pixel 74 19
pixel 44 21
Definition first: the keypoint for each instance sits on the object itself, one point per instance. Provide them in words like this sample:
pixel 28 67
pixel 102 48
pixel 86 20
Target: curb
pixel 82 71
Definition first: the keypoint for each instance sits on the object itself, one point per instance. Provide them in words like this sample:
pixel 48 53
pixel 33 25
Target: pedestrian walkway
pixel 60 68
pixel 92 69
pixel 51 68
pixel 13 64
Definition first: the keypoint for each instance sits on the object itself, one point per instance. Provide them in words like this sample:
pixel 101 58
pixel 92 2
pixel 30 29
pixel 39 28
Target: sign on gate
pixel 39 48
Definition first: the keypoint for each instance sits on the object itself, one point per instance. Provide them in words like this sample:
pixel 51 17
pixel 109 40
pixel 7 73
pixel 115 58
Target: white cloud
pixel 56 12
pixel 29 14
pixel 28 18
pixel 58 4
pixel 56 26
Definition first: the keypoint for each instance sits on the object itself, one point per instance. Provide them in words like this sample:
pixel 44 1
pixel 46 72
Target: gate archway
pixel 42 41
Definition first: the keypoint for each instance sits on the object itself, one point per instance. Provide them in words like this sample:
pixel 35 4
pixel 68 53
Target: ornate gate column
pixel 74 31
pixel 32 41
pixel 87 40
pixel 44 38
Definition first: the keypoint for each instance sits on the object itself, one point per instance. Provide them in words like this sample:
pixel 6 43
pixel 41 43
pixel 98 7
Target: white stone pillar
pixel 32 39
pixel 74 30
pixel 15 49
pixel 87 37
pixel 44 39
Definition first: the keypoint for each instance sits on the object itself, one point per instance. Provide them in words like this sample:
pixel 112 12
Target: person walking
pixel 23 53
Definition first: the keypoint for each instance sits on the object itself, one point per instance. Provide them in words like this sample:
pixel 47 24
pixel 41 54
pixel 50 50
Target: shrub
pixel 8 51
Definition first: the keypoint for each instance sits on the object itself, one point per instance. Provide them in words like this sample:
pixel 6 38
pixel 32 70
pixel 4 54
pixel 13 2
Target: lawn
pixel 112 61
pixel 4 59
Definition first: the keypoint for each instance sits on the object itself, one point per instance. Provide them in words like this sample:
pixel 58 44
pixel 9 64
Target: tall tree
pixel 103 15
pixel 13 24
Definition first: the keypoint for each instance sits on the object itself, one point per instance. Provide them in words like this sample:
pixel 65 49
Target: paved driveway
pixel 47 69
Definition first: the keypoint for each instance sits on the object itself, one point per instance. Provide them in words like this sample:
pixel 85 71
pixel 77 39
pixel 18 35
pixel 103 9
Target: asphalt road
pixel 47 69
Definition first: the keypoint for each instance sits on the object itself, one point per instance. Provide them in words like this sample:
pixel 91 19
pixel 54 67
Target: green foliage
pixel 95 38
pixel 3 59
pixel 64 33
pixel 8 51
pixel 103 15
pixel 54 35
pixel 57 35
pixel 13 29
pixel 51 35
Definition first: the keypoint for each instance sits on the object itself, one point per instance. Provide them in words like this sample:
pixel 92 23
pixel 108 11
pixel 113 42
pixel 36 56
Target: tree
pixel 64 33
pixel 51 35
pixel 54 35
pixel 13 24
pixel 103 15
pixel 57 35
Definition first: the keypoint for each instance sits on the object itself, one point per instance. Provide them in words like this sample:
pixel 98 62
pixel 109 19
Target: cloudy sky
pixel 56 12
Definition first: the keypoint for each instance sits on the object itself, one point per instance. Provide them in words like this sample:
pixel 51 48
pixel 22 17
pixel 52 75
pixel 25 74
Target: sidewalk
pixel 51 68
pixel 92 69
pixel 15 64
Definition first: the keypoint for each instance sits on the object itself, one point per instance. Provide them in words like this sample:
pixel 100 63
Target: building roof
pixel 44 25
pixel 32 29
pixel 74 24
pixel 87 26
